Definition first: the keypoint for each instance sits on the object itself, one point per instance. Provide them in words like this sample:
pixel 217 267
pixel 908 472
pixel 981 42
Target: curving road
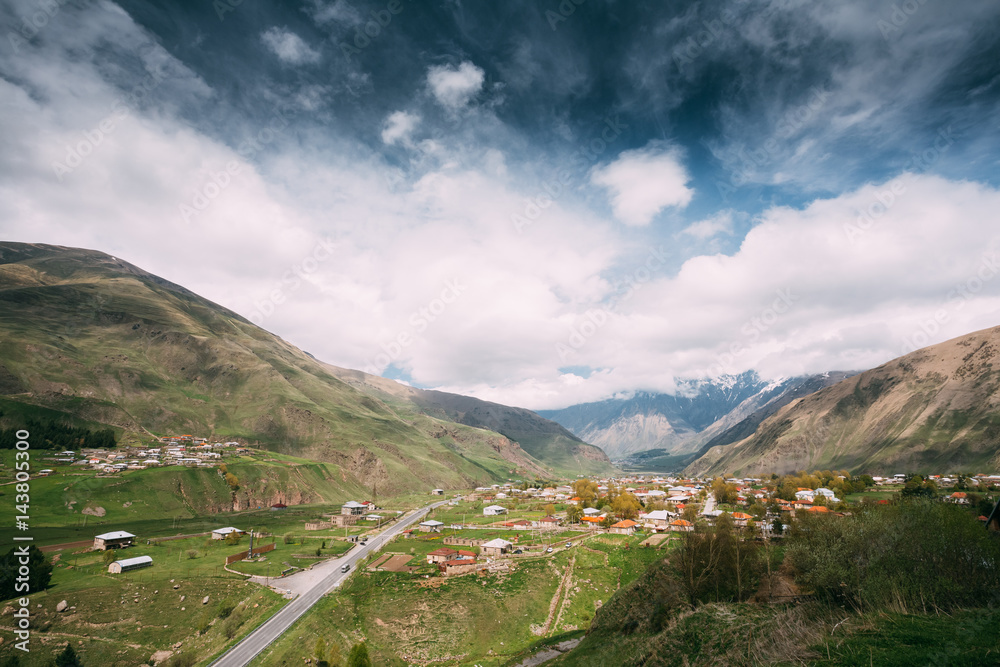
pixel 258 640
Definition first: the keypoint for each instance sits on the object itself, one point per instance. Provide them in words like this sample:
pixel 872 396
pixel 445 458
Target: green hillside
pixel 94 340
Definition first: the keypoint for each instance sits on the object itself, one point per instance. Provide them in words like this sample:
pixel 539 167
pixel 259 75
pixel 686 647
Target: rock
pixel 182 608
pixel 176 586
pixel 182 598
pixel 62 606
pixel 161 656
pixel 204 600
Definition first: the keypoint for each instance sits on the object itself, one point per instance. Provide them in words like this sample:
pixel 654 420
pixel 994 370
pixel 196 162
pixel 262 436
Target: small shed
pixel 118 539
pixel 129 564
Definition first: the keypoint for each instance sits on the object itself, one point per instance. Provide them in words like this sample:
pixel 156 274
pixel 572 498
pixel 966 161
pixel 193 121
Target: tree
pixel 358 657
pixel 585 490
pixel 320 650
pixel 333 654
pixel 626 506
pixel 39 573
pixel 109 556
pixel 232 481
pixel 68 658
pixel 550 509
pixel 724 492
pixel 573 514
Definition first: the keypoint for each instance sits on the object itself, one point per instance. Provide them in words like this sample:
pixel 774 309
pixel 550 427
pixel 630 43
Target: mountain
pixel 88 339
pixel 933 410
pixel 674 426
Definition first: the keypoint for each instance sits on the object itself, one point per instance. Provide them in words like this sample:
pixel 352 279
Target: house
pixel 118 539
pixel 497 547
pixel 741 518
pixel 494 510
pixel 223 533
pixel 592 522
pixel 277 507
pixel 437 492
pixel 129 564
pixel 548 522
pixel 431 526
pixel 681 526
pixel 959 498
pixel 351 508
pixel 590 511
pixel 818 509
pixel 441 555
pixel 659 518
pixel 626 527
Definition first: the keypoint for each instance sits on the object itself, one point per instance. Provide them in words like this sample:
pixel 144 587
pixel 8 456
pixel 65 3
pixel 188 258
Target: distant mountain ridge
pixel 679 424
pixel 933 410
pixel 88 338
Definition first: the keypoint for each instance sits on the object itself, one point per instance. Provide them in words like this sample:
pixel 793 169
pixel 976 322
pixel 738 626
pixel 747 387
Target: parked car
pixel 549 550
pixel 569 544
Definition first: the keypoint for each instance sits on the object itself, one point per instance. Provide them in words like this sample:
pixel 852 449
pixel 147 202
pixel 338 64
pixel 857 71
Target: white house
pixel 590 511
pixel 494 510
pixel 223 533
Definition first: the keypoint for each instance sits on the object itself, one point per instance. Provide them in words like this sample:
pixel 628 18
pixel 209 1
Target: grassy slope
pixel 102 341
pixel 627 633
pixel 933 410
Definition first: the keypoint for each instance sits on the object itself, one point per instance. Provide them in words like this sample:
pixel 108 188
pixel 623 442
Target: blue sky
pixel 537 203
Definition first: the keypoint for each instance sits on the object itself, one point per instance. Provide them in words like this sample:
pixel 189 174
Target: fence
pixel 243 554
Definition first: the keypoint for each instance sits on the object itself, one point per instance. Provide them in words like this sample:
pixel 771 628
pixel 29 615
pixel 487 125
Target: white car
pixel 549 550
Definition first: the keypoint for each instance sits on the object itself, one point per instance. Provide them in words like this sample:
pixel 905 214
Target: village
pixel 489 529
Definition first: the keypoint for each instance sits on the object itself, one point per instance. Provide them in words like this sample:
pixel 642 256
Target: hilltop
pixel 933 409
pixel 92 340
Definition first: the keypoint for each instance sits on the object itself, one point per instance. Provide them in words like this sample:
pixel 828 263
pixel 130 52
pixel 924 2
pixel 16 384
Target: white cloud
pixel 398 127
pixel 720 223
pixel 289 47
pixel 453 87
pixel 643 182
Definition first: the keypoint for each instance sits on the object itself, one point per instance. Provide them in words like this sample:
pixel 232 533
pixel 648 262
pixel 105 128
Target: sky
pixel 536 203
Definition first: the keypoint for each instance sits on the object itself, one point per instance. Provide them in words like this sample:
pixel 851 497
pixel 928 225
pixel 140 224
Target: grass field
pixel 473 619
pixel 122 620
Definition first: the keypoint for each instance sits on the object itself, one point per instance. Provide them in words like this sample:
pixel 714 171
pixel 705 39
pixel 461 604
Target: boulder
pixel 62 606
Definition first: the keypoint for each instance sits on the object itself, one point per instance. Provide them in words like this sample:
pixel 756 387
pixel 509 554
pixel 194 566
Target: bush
pixel 289 538
pixel 226 608
pixel 914 555
pixel 232 625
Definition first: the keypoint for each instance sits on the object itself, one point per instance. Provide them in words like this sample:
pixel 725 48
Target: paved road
pixel 709 504
pixel 254 643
